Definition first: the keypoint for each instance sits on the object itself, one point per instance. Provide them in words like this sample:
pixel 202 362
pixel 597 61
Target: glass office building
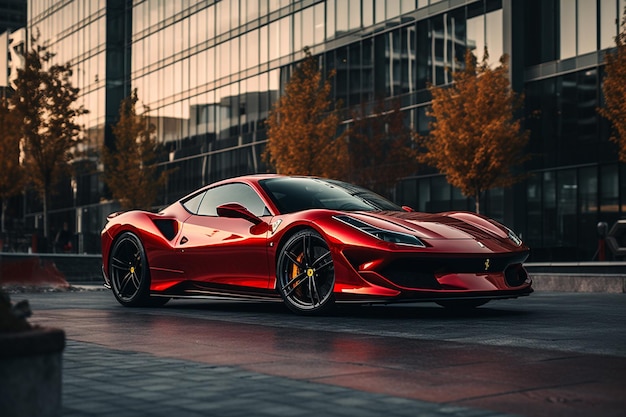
pixel 211 70
pixel 12 14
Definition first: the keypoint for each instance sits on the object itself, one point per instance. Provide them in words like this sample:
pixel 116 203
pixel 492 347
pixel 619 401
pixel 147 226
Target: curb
pixel 605 283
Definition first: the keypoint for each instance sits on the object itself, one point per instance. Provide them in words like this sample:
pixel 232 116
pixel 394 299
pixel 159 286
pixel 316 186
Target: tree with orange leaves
pixel 45 101
pixel 302 126
pixel 130 164
pixel 12 174
pixel 380 147
pixel 475 138
pixel 614 89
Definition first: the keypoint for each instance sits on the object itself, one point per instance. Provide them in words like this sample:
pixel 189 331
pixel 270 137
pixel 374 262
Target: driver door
pixel 226 251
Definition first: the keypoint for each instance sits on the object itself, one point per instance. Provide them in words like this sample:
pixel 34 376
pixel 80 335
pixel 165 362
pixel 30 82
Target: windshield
pixel 297 194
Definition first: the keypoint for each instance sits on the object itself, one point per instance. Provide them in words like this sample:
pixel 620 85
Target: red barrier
pixel 31 272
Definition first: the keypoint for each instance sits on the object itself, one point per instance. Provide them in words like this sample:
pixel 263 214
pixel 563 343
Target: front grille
pixel 421 272
pixel 515 275
pixel 411 278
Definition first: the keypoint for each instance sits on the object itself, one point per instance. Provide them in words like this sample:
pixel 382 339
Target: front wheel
pixel 306 273
pixel 130 276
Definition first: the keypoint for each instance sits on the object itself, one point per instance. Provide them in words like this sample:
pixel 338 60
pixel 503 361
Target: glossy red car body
pixel 310 253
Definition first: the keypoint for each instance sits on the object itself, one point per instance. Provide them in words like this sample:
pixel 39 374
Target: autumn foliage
pixel 45 102
pixel 475 139
pixel 130 167
pixel 11 175
pixel 380 147
pixel 302 126
pixel 614 88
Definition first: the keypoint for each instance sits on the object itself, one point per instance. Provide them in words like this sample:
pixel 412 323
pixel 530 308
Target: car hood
pixel 449 225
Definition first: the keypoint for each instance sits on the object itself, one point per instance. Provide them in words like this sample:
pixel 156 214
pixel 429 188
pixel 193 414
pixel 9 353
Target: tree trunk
pixel 45 213
pixel 477 198
pixel 4 209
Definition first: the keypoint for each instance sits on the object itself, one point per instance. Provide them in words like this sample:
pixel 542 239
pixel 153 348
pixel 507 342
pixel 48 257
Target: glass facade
pixel 574 180
pixel 12 15
pixel 209 71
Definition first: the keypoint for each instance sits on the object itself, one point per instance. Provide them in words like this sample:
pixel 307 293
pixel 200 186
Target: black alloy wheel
pixel 306 273
pixel 129 273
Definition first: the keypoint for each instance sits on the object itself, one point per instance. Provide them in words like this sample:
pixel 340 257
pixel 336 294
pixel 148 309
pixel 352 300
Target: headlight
pixel 514 237
pixel 382 234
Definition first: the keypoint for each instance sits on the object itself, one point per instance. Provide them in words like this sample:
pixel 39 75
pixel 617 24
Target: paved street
pixel 544 355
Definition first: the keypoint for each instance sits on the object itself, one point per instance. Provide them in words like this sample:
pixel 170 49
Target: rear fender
pixel 156 232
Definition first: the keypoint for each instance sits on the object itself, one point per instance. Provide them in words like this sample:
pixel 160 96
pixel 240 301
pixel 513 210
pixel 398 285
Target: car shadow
pixel 394 311
pixel 426 311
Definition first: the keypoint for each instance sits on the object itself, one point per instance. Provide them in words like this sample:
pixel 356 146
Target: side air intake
pixel 167 227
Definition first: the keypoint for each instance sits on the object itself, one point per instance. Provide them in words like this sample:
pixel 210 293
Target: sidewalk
pixel 599 277
pixel 104 382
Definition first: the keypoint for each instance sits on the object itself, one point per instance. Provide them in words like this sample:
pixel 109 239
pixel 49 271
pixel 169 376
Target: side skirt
pixel 191 289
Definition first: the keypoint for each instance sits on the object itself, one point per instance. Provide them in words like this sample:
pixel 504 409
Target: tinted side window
pixel 193 203
pixel 231 193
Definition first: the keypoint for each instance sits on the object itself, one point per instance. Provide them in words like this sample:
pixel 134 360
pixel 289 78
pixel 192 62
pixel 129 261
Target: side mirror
pixel 237 211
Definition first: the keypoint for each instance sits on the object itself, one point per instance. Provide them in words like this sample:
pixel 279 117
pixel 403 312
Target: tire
pixel 461 305
pixel 129 273
pixel 306 274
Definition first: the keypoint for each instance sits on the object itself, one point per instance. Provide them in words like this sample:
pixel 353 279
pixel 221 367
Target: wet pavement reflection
pixel 394 357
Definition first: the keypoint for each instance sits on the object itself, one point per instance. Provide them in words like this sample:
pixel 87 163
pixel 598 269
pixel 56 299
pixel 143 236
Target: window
pixel 549 209
pixel 587 26
pixel 368 13
pixel 578 27
pixel 567 218
pixel 342 16
pixel 223 21
pixel 609 190
pixel 568 29
pixel 230 193
pixel 274 36
pixel 193 203
pixel 484 30
pixel 330 19
pixel 608 20
pixel 285 40
pixel 588 208
pixel 493 36
pixel 534 210
pixel 354 20
pixel 320 24
pixel 298 32
pixel 308 29
pixel 392 8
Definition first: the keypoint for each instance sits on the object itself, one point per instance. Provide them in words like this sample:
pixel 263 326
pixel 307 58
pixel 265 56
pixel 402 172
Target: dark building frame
pixel 574 182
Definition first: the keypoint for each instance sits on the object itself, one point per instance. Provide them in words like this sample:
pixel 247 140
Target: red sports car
pixel 311 242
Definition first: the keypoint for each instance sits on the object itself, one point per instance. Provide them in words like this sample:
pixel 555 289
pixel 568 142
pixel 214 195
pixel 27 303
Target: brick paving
pixel 99 381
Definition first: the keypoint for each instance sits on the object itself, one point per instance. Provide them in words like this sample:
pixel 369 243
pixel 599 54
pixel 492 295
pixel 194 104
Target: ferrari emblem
pixel 310 272
pixel 132 269
pixel 487 264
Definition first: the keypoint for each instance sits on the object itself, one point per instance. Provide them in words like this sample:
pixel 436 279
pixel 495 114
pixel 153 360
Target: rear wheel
pixel 306 273
pixel 129 273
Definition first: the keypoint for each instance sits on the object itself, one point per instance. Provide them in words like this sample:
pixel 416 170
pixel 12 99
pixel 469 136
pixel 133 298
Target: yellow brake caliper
pixel 295 271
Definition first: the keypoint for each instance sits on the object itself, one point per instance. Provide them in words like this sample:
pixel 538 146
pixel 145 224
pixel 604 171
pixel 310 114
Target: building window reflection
pixel 568 28
pixel 587 26
pixel 210 72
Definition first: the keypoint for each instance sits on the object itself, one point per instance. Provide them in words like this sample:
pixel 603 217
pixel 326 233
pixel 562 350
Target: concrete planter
pixel 30 372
